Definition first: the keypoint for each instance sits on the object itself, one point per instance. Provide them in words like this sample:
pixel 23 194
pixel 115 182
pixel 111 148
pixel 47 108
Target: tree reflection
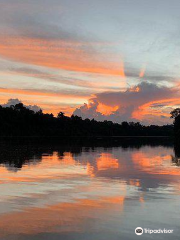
pixel 16 152
pixel 176 157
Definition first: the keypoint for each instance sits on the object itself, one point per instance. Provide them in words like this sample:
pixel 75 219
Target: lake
pixel 96 190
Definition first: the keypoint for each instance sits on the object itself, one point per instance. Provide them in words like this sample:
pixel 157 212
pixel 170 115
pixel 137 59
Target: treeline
pixel 175 114
pixel 18 120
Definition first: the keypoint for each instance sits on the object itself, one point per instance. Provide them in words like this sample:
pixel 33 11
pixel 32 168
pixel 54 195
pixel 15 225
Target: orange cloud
pixel 146 101
pixel 122 72
pixel 142 72
pixel 39 93
pixel 147 108
pixel 106 110
pixel 50 102
pixel 134 89
pixel 59 54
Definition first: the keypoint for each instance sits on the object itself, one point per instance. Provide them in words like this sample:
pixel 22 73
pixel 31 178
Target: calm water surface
pixel 88 193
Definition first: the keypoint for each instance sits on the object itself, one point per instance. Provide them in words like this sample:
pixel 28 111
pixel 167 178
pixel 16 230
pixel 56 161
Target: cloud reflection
pixel 65 188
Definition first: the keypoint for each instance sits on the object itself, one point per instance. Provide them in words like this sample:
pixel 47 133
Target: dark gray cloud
pixel 146 92
pixel 45 20
pixel 127 103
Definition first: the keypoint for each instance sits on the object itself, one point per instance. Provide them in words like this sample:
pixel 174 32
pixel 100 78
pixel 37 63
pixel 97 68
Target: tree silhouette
pixel 17 120
pixel 60 115
pixel 175 113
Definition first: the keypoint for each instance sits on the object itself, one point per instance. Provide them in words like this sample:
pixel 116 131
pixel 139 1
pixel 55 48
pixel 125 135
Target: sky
pixel 112 60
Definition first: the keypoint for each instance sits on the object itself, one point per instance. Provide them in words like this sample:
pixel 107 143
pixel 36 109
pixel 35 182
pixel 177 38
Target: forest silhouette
pixel 18 120
pixel 175 114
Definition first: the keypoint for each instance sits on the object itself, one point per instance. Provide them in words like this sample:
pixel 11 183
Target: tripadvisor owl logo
pixel 138 231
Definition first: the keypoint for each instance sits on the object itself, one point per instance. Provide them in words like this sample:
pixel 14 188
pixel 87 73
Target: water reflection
pixel 88 191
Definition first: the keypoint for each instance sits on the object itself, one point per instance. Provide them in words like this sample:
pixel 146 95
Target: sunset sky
pixel 104 59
